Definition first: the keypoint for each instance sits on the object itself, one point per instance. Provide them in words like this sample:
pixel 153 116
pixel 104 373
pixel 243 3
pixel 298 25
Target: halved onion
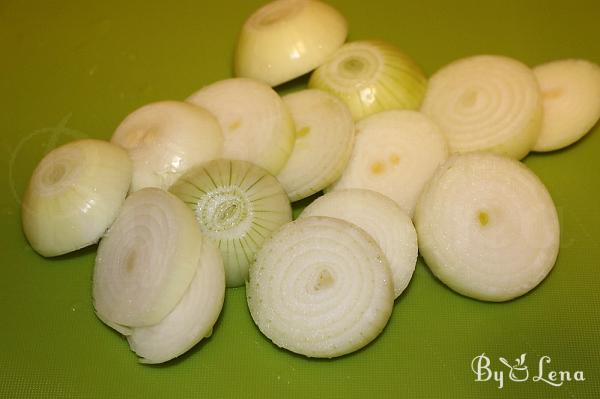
pixel 371 76
pixel 74 195
pixel 321 287
pixel 165 139
pixel 395 153
pixel 288 38
pixel 571 98
pixel 192 319
pixel 256 124
pixel 486 103
pixel 487 227
pixel 147 260
pixel 382 219
pixel 324 139
pixel 237 204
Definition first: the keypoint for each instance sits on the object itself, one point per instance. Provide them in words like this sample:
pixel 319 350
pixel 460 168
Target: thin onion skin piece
pixel 238 205
pixel 371 76
pixel 379 216
pixel 571 99
pixel 395 153
pixel 324 140
pixel 192 319
pixel 487 227
pixel 165 139
pixel 256 124
pixel 146 260
pixel 486 103
pixel 320 287
pixel 74 195
pixel 288 38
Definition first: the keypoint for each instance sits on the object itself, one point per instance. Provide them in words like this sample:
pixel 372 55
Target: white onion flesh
pixel 255 122
pixel 321 287
pixel 74 195
pixel 237 204
pixel 486 103
pixel 165 139
pixel 395 153
pixel 371 76
pixel 288 38
pixel 390 227
pixel 192 319
pixel 147 259
pixel 487 227
pixel 571 97
pixel 324 139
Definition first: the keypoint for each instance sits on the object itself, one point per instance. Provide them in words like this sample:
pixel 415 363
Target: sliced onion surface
pixel 324 138
pixel 320 287
pixel 571 98
pixel 237 204
pixel 192 319
pixel 486 103
pixel 382 219
pixel 371 76
pixel 395 153
pixel 255 122
pixel 165 139
pixel 288 38
pixel 74 195
pixel 487 227
pixel 147 259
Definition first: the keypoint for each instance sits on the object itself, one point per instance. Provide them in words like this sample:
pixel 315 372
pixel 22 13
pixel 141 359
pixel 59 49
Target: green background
pixel 71 69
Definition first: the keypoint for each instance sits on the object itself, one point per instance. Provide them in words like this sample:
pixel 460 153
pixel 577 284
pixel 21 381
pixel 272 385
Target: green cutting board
pixel 71 69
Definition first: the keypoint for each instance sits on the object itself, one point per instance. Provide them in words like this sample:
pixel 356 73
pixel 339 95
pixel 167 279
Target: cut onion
pixel 288 38
pixel 192 319
pixel 571 98
pixel 237 204
pixel 321 287
pixel 255 122
pixel 382 219
pixel 486 103
pixel 324 138
pixel 487 227
pixel 74 195
pixel 395 153
pixel 371 76
pixel 165 139
pixel 147 259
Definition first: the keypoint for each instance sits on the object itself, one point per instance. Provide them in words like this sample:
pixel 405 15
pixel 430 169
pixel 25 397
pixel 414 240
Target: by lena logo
pixel 519 371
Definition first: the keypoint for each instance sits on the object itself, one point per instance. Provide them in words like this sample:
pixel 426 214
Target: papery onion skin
pixel 74 195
